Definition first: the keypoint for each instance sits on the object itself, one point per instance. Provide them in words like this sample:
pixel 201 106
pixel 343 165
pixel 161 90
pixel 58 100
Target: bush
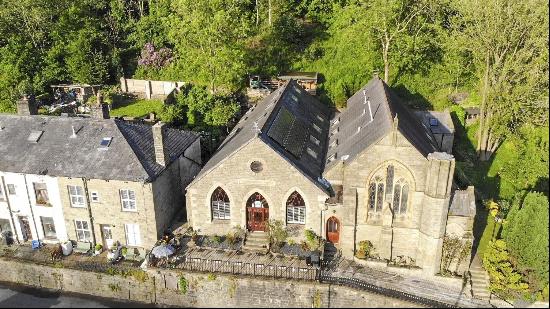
pixel 124 251
pixel 215 239
pixel 183 285
pixel 365 247
pixel 98 247
pixel 277 233
pixel 313 240
pixel 505 281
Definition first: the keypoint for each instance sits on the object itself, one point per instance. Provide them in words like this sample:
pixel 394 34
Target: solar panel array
pixel 289 132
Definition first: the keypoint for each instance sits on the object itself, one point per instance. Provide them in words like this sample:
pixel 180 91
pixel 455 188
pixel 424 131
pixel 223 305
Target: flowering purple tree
pixel 155 58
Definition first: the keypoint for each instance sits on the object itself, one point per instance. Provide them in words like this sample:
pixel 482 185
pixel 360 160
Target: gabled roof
pixel 129 156
pixel 353 130
pixel 286 120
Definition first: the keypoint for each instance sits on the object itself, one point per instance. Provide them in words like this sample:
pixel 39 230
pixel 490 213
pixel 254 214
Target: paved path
pixel 14 296
pixel 412 285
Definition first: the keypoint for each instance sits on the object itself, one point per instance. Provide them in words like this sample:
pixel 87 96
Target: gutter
pixel 89 211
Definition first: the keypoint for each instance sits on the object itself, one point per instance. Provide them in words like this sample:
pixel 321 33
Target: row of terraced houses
pixel 373 171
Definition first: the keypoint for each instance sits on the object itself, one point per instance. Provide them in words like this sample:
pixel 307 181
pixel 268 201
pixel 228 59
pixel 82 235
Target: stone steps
pixel 479 280
pixel 257 241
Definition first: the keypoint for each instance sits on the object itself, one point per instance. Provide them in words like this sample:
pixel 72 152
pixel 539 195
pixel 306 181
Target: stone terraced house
pixel 375 171
pixel 92 179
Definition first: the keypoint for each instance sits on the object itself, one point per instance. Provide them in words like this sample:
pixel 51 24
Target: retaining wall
pixel 202 290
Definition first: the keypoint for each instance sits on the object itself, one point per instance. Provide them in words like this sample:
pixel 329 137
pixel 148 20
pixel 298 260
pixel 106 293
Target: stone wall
pixel 276 182
pixel 149 88
pixel 202 290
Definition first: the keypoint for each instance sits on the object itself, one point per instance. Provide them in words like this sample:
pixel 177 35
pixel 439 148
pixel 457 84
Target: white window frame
pixel 11 189
pixel 94 197
pixel 77 200
pixel 128 201
pixel 221 210
pixel 296 214
pixel 87 238
pixel 133 237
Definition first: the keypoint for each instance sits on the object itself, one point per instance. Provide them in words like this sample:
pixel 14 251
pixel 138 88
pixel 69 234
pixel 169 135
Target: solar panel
pixel 296 139
pixel 35 136
pixel 281 125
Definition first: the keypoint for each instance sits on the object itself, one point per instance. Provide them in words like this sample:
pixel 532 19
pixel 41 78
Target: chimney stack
pixel 100 110
pixel 26 106
pixel 161 155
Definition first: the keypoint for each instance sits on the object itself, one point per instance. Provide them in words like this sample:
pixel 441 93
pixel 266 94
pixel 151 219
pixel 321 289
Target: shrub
pixel 277 232
pixel 183 285
pixel 215 239
pixel 124 251
pixel 313 240
pixel 505 281
pixel 98 247
pixel 211 277
pixel 365 248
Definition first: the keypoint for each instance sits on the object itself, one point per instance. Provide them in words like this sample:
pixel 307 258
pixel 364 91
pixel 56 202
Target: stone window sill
pixel 221 221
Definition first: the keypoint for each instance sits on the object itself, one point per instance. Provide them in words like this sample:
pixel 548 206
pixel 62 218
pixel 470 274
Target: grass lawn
pixel 138 108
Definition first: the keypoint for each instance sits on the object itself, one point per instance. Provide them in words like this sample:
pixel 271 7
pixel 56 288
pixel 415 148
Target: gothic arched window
pixel 400 197
pixel 220 205
pixel 376 194
pixel 257 200
pixel 295 209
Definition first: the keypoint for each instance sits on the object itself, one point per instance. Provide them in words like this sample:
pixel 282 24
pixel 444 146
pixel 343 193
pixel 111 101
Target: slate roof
pixel 463 203
pixel 130 155
pixel 284 120
pixel 352 130
pixel 443 125
pixel 297 126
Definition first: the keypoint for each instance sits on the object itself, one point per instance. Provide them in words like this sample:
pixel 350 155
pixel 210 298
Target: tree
pixel 510 49
pixel 505 281
pixel 394 22
pixel 208 37
pixel 526 234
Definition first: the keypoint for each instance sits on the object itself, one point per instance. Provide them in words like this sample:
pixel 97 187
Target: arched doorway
pixel 333 230
pixel 257 212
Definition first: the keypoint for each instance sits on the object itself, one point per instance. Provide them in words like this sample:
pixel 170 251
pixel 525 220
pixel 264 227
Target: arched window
pixel 376 194
pixel 256 200
pixel 295 209
pixel 220 205
pixel 400 197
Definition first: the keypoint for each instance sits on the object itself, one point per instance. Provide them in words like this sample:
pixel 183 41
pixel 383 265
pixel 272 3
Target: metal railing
pixel 247 268
pixel 362 285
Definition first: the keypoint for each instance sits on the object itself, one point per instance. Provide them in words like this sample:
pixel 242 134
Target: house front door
pixel 107 235
pixel 257 218
pixel 333 230
pixel 25 228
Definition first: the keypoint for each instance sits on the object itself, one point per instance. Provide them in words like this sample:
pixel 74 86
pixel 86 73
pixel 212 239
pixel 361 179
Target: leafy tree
pixel 208 37
pixel 505 281
pixel 526 234
pixel 510 51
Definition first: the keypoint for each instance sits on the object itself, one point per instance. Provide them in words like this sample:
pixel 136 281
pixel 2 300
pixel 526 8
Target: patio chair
pixel 82 247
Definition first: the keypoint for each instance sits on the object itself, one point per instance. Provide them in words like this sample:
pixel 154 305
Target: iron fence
pixel 248 268
pixel 362 285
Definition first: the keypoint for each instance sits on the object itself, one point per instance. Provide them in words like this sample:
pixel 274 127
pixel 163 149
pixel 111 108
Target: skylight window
pixel 316 127
pixel 331 158
pixel 320 118
pixel 311 152
pixel 336 130
pixel 35 136
pixel 334 144
pixel 314 140
pixel 105 142
pixel 335 121
pixel 434 122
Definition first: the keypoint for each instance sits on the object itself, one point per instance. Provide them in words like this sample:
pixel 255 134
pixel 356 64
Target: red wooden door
pixel 333 230
pixel 257 218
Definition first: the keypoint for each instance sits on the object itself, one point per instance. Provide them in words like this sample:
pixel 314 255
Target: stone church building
pixel 376 171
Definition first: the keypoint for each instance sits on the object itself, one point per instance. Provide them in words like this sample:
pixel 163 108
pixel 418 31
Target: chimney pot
pixel 161 155
pixel 101 109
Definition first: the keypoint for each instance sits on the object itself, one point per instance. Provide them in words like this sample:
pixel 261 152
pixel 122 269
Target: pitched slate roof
pixel 285 121
pixel 353 130
pixel 130 155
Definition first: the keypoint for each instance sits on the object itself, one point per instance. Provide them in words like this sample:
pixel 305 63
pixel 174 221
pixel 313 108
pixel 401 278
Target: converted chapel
pixel 374 171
